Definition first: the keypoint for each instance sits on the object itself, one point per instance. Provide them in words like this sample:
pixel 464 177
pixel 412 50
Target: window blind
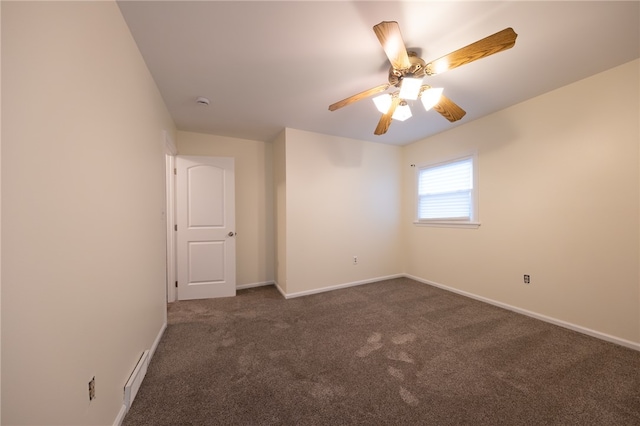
pixel 445 191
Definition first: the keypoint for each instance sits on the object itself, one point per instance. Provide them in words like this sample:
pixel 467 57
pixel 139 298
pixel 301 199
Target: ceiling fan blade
pixel 385 120
pixel 357 97
pixel 449 109
pixel 388 33
pixel 502 40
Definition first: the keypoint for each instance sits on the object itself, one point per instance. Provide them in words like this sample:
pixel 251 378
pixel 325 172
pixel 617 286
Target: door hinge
pixel 176 284
pixel 175 227
pixel 175 171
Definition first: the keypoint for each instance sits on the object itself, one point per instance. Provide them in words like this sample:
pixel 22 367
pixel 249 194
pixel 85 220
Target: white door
pixel 205 212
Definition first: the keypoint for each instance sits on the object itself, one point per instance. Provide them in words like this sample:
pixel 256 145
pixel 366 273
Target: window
pixel 447 193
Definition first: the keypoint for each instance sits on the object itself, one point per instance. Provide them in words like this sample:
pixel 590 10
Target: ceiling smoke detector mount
pixel 202 101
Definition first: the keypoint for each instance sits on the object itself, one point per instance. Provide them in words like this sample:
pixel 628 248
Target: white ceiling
pixel 268 65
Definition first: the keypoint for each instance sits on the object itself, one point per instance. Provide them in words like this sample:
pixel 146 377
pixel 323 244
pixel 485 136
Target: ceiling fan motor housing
pixel 417 69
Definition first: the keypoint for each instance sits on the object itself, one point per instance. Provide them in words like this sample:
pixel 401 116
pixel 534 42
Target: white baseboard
pixel 123 410
pixel 551 320
pixel 282 292
pixel 154 346
pixel 336 287
pixel 252 285
pixel 120 417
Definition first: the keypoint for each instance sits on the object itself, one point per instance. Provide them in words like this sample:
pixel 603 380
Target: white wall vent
pixel 134 382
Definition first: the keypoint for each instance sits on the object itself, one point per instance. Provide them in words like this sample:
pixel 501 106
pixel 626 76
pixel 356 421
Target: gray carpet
pixel 390 353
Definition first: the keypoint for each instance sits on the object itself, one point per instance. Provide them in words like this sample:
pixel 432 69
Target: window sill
pixel 448 224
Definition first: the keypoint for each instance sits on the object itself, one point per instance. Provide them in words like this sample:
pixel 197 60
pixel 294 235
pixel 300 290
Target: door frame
pixel 170 152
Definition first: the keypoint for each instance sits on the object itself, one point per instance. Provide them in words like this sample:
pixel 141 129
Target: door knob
pixel 231 234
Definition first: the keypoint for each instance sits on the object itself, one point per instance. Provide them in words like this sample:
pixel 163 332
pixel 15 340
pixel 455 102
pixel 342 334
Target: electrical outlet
pixel 92 389
pixel 355 260
pixel 527 279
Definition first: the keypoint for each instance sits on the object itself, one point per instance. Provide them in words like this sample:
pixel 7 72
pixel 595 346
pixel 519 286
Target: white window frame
pixel 473 221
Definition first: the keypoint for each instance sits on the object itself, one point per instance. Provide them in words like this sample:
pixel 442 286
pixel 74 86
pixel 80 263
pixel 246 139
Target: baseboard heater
pixel 134 382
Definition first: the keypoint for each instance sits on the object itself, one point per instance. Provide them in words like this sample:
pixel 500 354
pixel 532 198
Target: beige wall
pixel 342 200
pixel 559 200
pixel 254 199
pixel 83 241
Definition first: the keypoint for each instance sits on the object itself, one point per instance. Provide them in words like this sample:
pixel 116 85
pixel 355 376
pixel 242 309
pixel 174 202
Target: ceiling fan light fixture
pixel 402 112
pixel 410 88
pixel 431 97
pixel 383 102
pixel 406 66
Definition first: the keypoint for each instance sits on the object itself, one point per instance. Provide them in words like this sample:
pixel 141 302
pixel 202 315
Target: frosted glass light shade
pixel 382 102
pixel 402 112
pixel 410 88
pixel 430 97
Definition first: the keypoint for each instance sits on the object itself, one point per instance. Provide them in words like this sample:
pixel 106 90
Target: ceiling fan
pixel 407 71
